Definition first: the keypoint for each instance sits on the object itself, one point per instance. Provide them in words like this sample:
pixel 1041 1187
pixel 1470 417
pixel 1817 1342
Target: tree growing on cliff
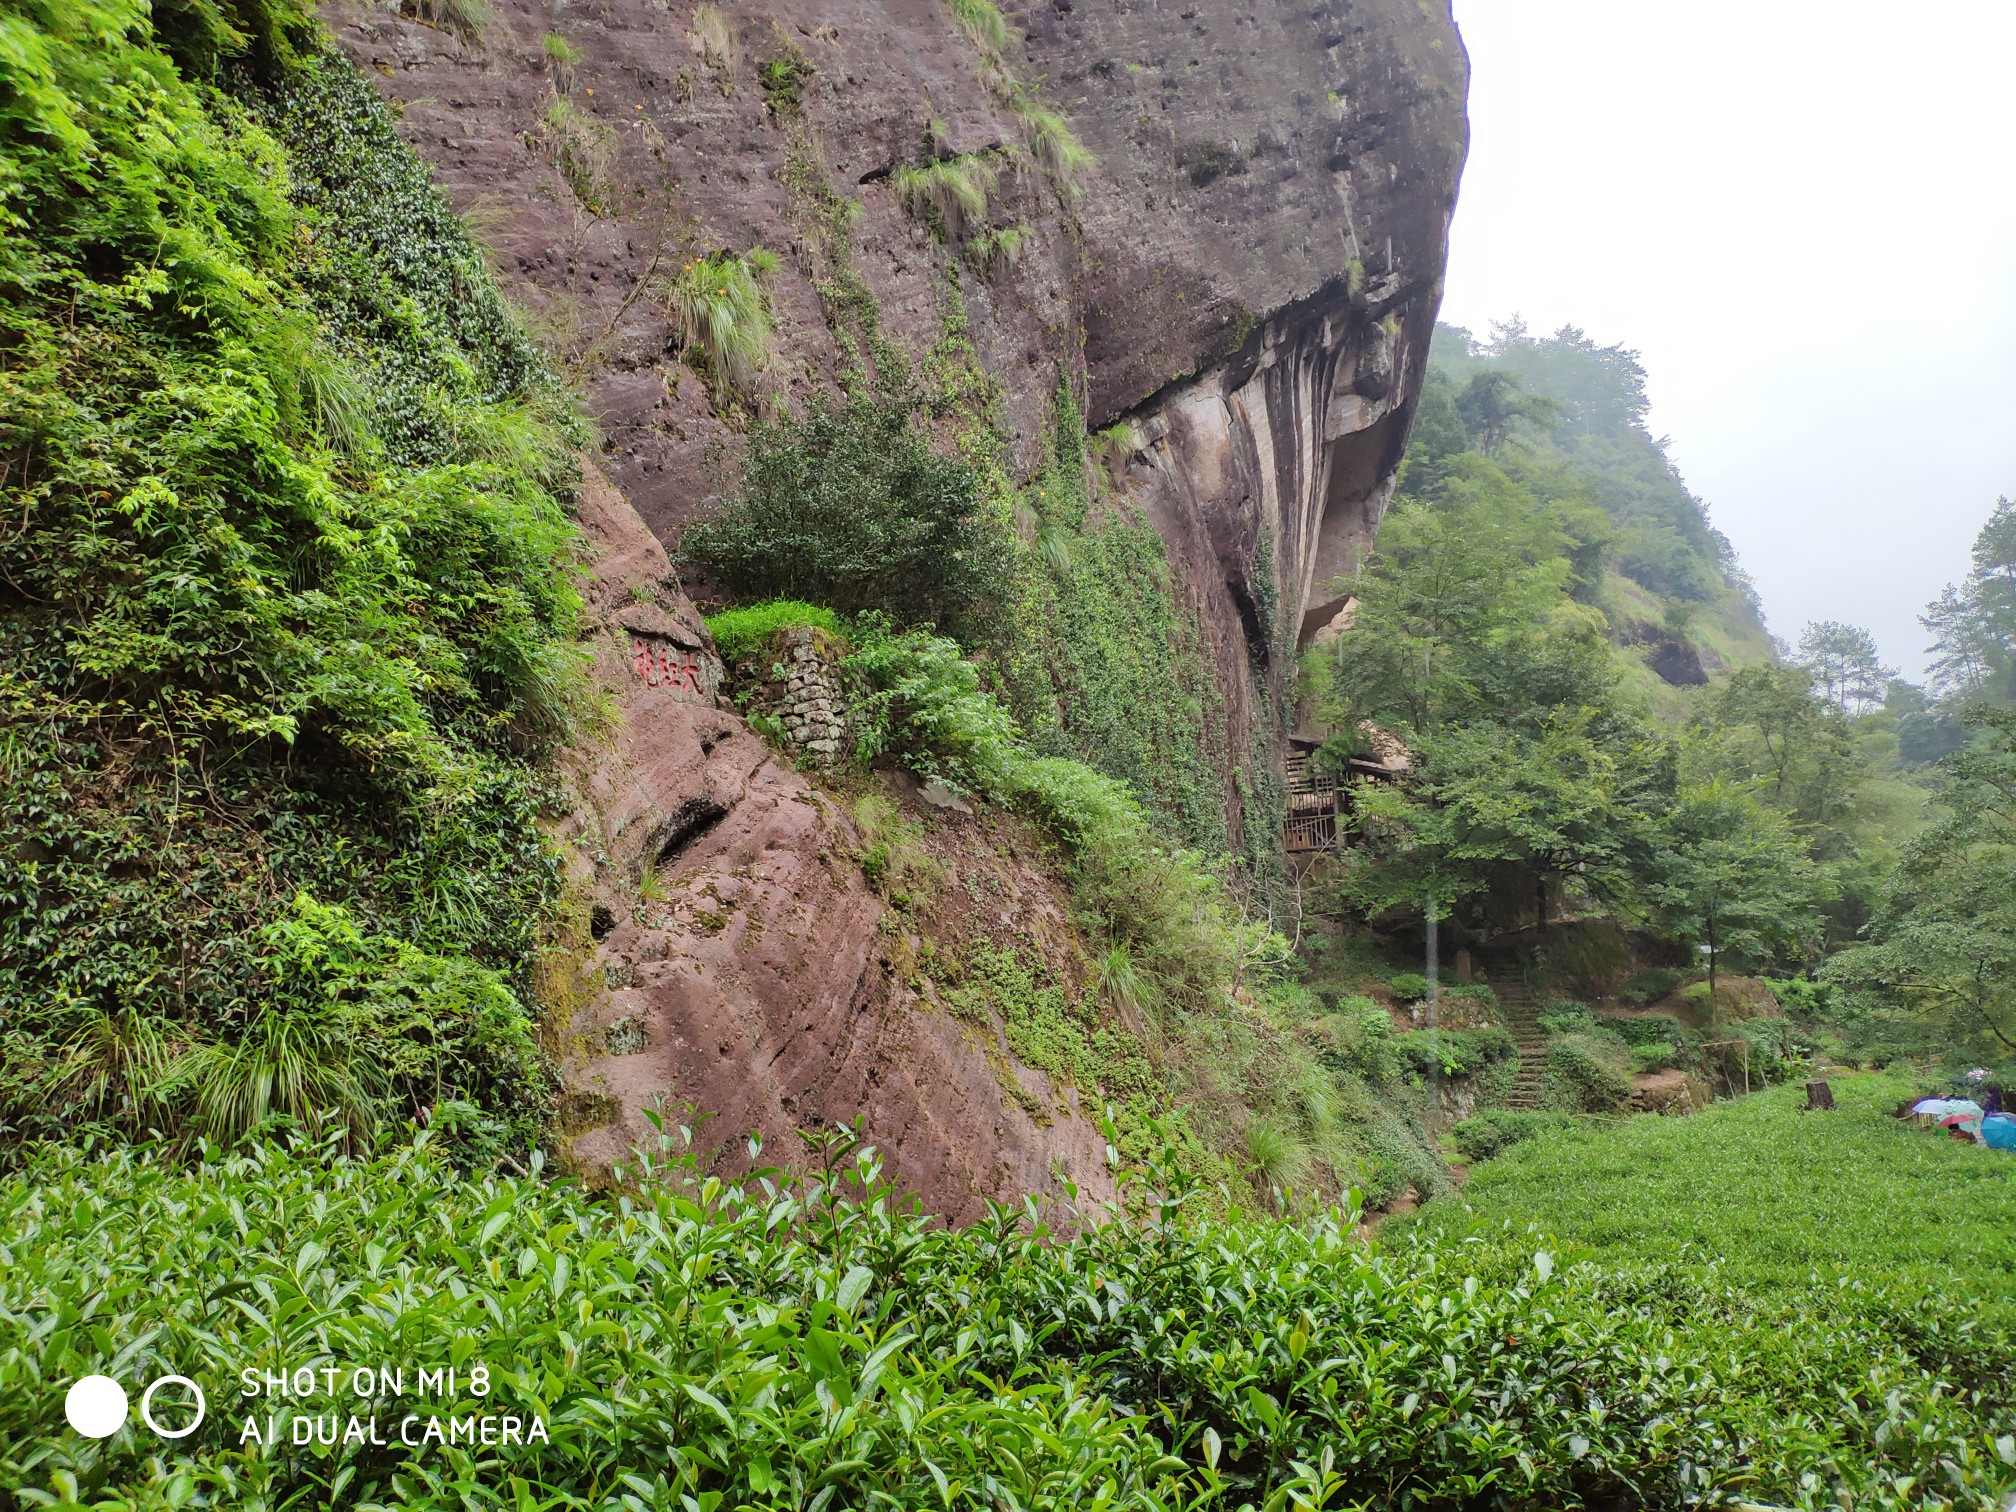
pixel 1494 402
pixel 850 507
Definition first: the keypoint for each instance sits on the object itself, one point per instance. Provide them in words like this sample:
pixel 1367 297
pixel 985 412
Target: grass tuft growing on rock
pixel 718 305
pixel 950 194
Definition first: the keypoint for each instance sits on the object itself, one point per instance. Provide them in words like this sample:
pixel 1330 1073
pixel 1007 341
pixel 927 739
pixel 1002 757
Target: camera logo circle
pixel 96 1406
pixel 147 1398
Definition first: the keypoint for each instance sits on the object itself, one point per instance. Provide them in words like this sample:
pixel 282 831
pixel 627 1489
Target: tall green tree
pixel 1943 949
pixel 1973 624
pixel 1494 401
pixel 1513 811
pixel 1733 878
pixel 1846 663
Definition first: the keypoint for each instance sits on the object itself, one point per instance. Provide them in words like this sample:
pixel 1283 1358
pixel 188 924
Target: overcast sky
pixel 1802 213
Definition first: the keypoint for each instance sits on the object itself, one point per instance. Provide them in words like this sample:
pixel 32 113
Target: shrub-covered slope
pixel 285 596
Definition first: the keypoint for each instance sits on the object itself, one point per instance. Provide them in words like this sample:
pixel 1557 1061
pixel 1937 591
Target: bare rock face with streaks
pixel 1241 287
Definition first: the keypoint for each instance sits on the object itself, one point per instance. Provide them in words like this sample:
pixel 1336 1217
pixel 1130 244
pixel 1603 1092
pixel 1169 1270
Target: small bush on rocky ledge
pixel 850 506
pixel 740 633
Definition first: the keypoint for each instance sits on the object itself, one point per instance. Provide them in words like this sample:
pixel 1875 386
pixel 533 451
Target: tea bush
pixel 1564 1017
pixel 807 1342
pixel 1645 1028
pixel 1496 1130
pixel 1429 1054
pixel 1791 1206
pixel 1655 1055
pixel 1587 1073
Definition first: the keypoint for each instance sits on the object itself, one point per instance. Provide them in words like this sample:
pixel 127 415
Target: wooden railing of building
pixel 1313 806
pixel 1319 801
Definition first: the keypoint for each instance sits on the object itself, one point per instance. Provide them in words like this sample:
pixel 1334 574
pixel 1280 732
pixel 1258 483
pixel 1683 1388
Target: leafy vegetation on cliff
pixel 285 599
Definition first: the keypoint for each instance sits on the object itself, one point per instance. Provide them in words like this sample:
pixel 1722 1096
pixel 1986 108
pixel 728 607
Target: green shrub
pixel 1777 1050
pixel 1564 1017
pixel 1644 1028
pixel 784 79
pixel 717 304
pixel 1471 992
pixel 924 705
pixel 741 633
pixel 1808 999
pixel 1434 1053
pixel 1495 1130
pixel 1657 1056
pixel 1357 1039
pixel 1206 161
pixel 851 507
pixel 1167 908
pixel 727 1342
pixel 1587 1073
pixel 1408 986
pixel 1651 984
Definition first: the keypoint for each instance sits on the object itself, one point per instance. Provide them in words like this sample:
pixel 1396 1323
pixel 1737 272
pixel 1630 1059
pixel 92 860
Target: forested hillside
pixel 1600 732
pixel 1573 416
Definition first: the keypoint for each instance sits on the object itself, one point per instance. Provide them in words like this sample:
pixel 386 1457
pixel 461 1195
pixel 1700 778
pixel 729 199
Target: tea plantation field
pixel 1763 1196
pixel 805 1343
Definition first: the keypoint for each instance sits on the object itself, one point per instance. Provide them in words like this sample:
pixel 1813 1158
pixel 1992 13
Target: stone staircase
pixel 1520 1007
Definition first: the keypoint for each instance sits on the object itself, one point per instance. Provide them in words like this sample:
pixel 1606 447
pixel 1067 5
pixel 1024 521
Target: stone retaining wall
pixel 802 687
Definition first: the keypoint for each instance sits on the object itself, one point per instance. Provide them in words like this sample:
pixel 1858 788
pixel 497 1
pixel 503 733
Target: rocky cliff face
pixel 1244 282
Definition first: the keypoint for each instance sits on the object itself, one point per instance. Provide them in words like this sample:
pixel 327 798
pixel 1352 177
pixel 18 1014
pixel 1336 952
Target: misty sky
pixel 1802 213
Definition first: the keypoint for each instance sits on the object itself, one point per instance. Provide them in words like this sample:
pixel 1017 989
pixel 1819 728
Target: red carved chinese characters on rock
pixel 660 667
